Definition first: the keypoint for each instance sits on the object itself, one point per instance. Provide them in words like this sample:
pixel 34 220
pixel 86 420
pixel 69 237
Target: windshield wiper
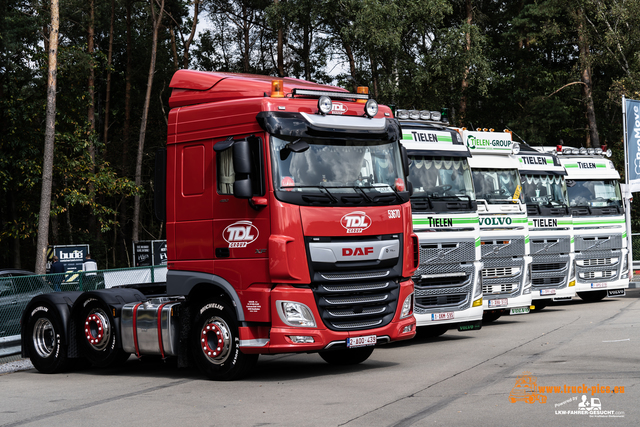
pixel 322 189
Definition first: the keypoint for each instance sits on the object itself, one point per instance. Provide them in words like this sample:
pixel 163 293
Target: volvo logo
pixel 240 234
pixel 355 222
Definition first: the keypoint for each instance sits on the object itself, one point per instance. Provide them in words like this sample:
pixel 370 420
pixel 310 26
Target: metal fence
pixel 16 291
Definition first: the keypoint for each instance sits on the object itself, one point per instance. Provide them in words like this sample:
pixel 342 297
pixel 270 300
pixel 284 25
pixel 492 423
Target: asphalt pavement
pixel 552 358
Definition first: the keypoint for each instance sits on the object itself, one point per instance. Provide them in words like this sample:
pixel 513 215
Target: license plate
pixel 616 293
pixel 498 302
pixel 442 316
pixel 520 310
pixel 598 285
pixel 547 291
pixel 362 341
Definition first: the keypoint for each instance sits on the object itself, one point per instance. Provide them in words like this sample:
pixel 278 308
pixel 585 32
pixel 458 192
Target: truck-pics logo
pixel 357 251
pixel 240 234
pixel 356 222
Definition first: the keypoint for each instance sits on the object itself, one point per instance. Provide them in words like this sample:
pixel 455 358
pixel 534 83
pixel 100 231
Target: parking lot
pixel 571 350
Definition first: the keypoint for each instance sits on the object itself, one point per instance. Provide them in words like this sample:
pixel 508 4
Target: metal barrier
pixel 17 291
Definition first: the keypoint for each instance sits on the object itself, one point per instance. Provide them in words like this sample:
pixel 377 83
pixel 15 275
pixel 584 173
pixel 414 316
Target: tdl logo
pixel 240 234
pixel 338 108
pixel 356 222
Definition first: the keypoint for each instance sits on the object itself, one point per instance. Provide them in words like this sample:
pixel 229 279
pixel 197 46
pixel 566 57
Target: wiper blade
pixel 322 189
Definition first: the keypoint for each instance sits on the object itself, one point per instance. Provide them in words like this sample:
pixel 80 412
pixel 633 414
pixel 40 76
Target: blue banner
pixel 633 142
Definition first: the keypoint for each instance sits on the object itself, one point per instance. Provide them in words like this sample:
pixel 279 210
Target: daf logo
pixel 357 251
pixel 240 234
pixel 355 222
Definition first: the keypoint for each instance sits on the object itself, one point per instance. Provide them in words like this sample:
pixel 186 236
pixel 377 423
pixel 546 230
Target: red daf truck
pixel 288 230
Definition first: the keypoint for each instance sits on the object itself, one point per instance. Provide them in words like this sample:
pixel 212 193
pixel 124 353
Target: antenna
pixel 516 135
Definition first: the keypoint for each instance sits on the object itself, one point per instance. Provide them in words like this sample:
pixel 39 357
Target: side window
pixel 226 174
pixel 5 286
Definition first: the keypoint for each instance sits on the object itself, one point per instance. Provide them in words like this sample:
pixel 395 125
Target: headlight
pixel 591 151
pixel 436 116
pixel 402 114
pixel 295 314
pixel 371 108
pixel 599 151
pixel 608 153
pixel 582 151
pixel 425 115
pixel 407 307
pixel 414 114
pixel 515 148
pixel 325 105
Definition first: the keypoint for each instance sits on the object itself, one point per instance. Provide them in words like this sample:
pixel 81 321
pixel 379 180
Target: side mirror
pixel 242 188
pixel 410 188
pixel 242 157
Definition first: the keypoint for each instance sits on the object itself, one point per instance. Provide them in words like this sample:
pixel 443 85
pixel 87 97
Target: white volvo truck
pixel 445 218
pixel 550 226
pixel 504 228
pixel 600 235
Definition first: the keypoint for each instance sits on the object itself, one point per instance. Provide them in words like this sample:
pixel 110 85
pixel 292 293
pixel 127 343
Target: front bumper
pixel 515 302
pixel 463 316
pixel 278 338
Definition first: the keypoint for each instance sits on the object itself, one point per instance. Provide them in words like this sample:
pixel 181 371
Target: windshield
pixel 341 165
pixel 544 190
pixel 440 177
pixel 597 194
pixel 497 185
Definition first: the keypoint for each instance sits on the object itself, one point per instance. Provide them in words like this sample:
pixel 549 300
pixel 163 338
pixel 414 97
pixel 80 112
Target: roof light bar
pixel 434 116
pixel 331 94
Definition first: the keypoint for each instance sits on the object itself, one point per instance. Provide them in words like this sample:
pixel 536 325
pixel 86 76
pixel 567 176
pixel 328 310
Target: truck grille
pixel 505 288
pixel 447 252
pixel 548 266
pixel 598 243
pixel 356 306
pixel 499 272
pixel 598 274
pixel 502 247
pixel 440 300
pixel 603 266
pixel 551 246
pixel 541 281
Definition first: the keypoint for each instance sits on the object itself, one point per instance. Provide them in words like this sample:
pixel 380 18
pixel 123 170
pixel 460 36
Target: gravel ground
pixel 18 365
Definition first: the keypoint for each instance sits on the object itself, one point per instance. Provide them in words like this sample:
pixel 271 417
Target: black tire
pixel 347 356
pixel 98 338
pixel 46 350
pixel 489 316
pixel 215 343
pixel 540 304
pixel 432 331
pixel 592 296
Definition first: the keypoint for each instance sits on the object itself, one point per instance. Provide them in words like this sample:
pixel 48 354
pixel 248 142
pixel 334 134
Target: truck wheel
pixel 215 343
pixel 593 296
pixel 46 351
pixel 491 315
pixel 97 336
pixel 347 356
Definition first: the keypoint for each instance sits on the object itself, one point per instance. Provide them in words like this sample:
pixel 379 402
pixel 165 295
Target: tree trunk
pixel 593 139
pixel 157 19
pixel 49 139
pixel 465 82
pixel 245 27
pixel 280 47
pixel 91 117
pixel 109 61
pixel 352 64
pixel 185 55
pixel 174 49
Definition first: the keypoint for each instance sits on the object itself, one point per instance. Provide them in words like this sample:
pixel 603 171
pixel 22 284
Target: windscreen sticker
pixel 516 194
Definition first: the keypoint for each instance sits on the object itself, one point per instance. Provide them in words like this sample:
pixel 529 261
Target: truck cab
pixel 550 226
pixel 288 231
pixel 504 228
pixel 445 218
pixel 597 209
